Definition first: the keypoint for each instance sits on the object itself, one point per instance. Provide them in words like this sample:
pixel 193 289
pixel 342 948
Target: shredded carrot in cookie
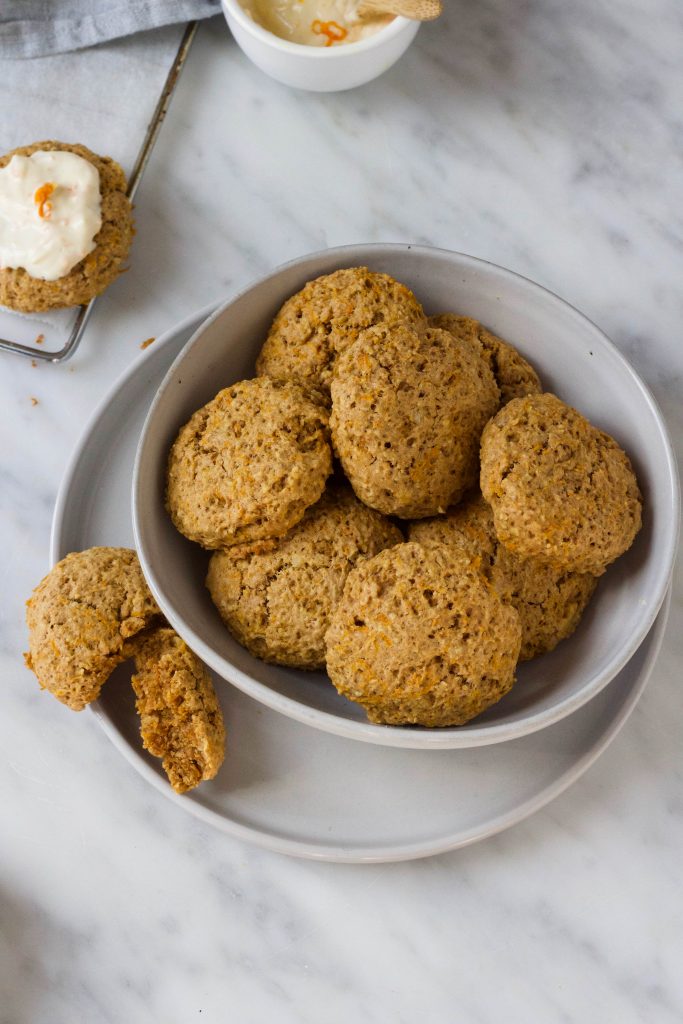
pixel 41 197
pixel 333 32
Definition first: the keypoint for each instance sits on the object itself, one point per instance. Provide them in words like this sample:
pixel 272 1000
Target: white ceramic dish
pixel 574 358
pixel 319 69
pixel 297 790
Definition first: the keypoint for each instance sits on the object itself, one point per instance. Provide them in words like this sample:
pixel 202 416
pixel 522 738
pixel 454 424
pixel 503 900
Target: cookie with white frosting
pixel 66 226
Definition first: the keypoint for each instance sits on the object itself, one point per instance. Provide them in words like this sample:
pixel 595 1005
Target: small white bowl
pixel 574 359
pixel 319 68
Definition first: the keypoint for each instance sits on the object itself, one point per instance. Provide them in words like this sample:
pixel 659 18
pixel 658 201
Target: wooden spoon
pixel 418 10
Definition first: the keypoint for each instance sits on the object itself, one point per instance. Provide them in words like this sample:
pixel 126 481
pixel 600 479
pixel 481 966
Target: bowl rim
pixel 233 9
pixel 410 737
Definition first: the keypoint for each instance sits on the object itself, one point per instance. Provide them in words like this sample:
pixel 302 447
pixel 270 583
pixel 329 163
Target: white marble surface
pixel 544 136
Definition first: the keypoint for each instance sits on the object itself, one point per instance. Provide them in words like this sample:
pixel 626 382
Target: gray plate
pixel 295 789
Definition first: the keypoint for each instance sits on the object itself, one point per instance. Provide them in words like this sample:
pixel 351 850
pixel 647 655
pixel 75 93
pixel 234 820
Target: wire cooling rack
pixel 84 312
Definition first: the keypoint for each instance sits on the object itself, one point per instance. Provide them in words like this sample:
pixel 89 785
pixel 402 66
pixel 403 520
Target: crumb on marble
pixel 34 363
pixel 34 401
pixel 40 339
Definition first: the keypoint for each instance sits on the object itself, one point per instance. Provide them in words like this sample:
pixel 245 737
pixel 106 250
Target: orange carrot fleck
pixel 147 343
pixel 41 197
pixel 333 32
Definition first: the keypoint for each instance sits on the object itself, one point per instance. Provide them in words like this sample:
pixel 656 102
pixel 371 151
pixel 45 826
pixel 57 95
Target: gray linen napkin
pixel 34 28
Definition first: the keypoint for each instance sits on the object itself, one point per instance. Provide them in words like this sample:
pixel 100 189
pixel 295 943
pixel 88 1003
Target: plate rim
pixel 397 736
pixel 350 854
pixel 335 853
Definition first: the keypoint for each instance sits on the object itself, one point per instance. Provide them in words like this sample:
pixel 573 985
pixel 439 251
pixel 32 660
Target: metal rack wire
pixel 84 312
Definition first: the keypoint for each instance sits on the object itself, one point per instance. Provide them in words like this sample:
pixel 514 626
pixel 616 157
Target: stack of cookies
pixel 395 498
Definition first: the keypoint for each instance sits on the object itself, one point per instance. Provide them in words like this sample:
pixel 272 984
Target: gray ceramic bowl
pixel 575 360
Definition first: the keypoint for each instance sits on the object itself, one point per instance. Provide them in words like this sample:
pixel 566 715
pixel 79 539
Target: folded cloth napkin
pixel 34 28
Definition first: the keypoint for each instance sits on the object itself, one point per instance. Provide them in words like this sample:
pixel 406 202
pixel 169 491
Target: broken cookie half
pixel 180 717
pixel 82 618
pixel 94 611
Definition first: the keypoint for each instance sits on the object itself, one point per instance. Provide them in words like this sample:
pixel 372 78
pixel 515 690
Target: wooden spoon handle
pixel 418 10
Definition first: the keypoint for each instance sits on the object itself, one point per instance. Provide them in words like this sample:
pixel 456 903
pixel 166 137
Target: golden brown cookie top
pixel 560 489
pixel 420 637
pixel 514 376
pixel 82 617
pixel 468 527
pixel 249 463
pixel 325 317
pixel 180 717
pixel 549 601
pixel 408 408
pixel 277 596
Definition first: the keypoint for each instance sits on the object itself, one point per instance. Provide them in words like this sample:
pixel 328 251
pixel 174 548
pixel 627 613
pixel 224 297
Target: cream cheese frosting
pixel 50 212
pixel 313 22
